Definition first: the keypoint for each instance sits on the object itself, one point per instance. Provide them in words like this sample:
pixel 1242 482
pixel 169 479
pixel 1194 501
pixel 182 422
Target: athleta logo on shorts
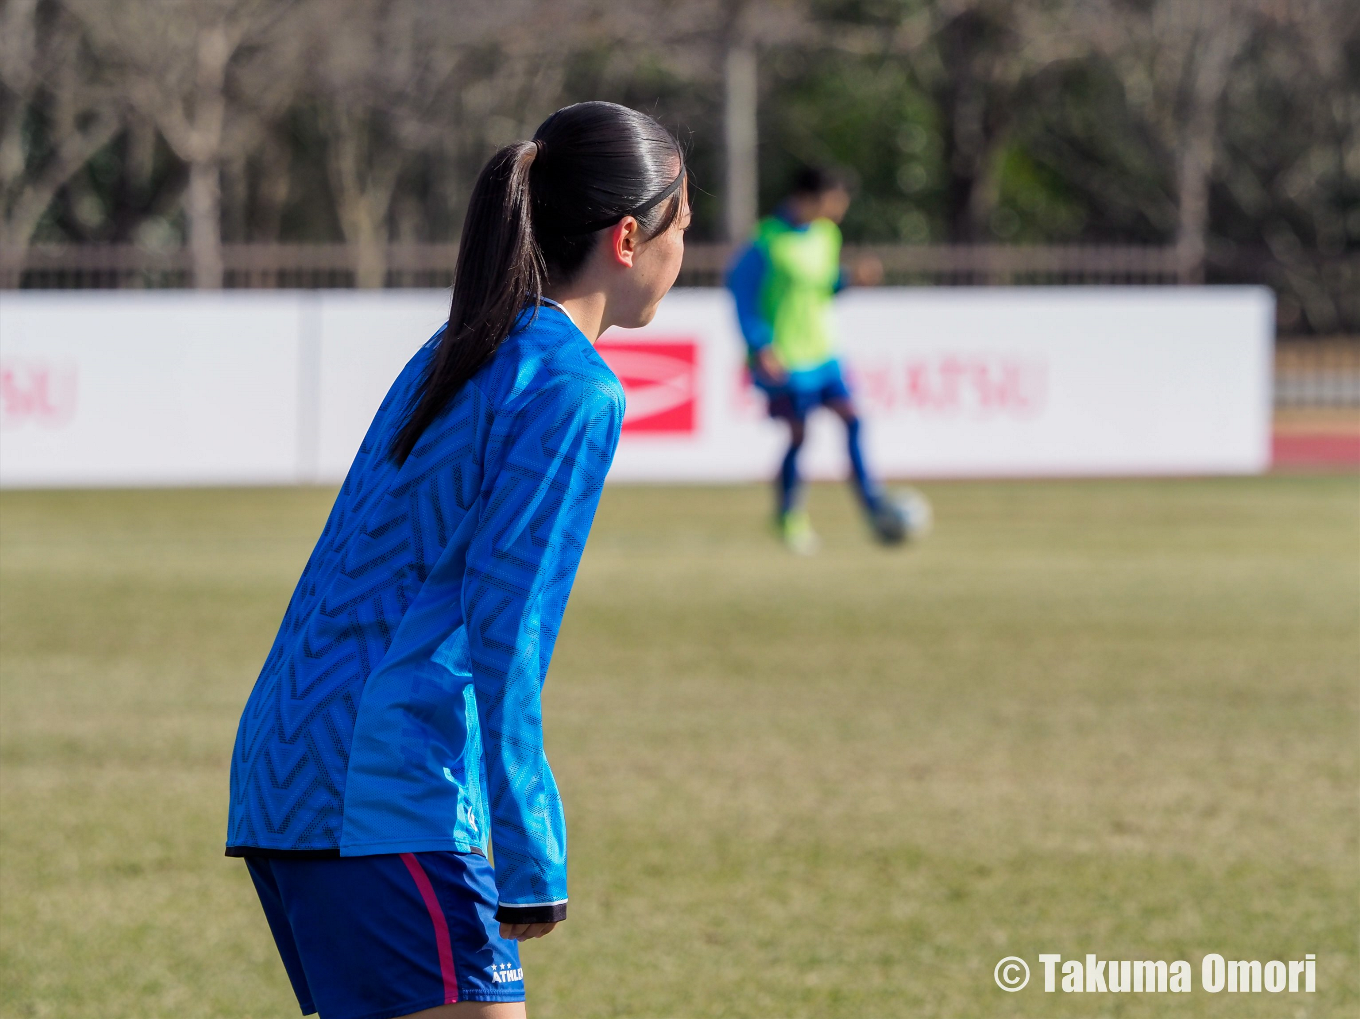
pixel 501 973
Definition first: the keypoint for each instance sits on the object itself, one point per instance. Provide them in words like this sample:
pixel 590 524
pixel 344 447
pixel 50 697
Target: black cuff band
pixel 555 913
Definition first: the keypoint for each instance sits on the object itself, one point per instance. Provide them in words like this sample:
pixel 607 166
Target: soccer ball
pixel 901 516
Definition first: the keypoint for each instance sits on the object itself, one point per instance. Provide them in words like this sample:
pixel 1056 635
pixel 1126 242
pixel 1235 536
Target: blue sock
pixel 864 485
pixel 788 478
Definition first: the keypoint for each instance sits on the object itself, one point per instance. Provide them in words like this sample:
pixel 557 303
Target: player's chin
pixel 651 299
pixel 641 317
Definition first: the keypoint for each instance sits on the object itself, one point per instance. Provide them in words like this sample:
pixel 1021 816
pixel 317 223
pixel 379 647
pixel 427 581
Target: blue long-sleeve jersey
pixel 745 279
pixel 398 710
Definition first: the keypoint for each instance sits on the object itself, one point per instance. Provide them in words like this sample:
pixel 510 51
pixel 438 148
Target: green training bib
pixel 795 298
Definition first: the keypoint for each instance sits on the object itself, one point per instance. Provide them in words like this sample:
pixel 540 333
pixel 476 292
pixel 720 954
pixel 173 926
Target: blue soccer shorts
pixel 373 937
pixel 804 391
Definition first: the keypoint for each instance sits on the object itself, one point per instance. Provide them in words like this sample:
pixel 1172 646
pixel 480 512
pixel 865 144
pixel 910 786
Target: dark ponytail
pixel 533 218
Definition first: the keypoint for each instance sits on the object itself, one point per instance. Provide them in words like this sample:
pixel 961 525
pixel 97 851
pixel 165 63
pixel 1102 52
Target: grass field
pixel 1109 717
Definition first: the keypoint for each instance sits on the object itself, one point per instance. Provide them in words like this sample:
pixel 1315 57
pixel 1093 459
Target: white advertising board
pixel 160 388
pixel 364 340
pixel 989 382
pixel 148 389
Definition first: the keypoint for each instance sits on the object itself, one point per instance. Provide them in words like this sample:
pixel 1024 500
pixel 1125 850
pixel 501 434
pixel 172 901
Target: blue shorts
pixel 372 937
pixel 805 391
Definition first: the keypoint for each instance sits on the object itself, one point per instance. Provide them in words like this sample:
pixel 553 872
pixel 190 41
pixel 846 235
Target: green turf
pixel 1112 717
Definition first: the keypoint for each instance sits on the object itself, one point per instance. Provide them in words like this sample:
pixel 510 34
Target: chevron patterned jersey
pixel 398 710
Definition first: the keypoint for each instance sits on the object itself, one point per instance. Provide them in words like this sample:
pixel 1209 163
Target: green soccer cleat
pixel 795 531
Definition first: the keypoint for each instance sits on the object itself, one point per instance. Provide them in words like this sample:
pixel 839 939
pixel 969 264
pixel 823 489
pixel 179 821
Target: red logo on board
pixel 38 391
pixel 660 382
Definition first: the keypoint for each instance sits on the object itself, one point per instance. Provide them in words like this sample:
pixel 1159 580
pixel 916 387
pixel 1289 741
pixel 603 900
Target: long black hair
pixel 533 218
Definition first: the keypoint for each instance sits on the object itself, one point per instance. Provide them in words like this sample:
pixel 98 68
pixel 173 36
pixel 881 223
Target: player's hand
pixel 525 931
pixel 769 365
pixel 867 271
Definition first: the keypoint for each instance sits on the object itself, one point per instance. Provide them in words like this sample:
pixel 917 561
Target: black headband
pixel 647 206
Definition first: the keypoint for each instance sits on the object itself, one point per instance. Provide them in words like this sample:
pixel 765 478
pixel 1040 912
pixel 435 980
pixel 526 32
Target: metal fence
pixel 1318 372
pixel 247 266
pixel 1309 372
pixel 310 266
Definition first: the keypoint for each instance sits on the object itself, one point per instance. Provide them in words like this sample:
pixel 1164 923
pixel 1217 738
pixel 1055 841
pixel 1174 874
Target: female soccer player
pixel 783 284
pixel 394 733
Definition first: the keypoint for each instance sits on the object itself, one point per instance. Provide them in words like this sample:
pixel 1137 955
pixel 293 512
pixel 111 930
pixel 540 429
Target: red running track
pixel 1316 449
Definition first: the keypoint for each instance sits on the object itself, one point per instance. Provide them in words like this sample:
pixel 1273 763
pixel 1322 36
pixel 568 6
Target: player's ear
pixel 624 239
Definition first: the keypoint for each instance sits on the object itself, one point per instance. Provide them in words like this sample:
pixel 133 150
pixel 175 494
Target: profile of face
pixel 833 204
pixel 807 206
pixel 650 265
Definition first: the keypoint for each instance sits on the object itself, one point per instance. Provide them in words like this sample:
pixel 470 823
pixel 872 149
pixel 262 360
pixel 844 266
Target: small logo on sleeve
pixel 505 973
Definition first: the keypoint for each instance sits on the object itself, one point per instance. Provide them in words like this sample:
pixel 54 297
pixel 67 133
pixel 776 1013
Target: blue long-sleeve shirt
pixel 745 278
pixel 398 710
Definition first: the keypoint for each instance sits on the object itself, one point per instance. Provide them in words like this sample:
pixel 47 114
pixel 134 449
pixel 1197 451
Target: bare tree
pixel 718 41
pixel 750 27
pixel 390 87
pixel 1291 137
pixel 1176 60
pixel 207 72
pixel 971 56
pixel 46 72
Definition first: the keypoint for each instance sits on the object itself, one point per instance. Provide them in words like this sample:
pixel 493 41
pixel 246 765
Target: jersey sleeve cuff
pixel 550 912
pixel 759 337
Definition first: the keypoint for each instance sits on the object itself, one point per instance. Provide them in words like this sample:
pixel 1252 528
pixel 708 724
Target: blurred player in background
pixel 783 284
